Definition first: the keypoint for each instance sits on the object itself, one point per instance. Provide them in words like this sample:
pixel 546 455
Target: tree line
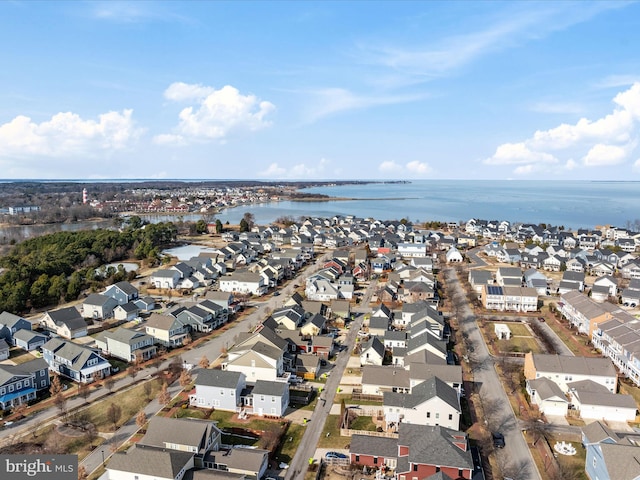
pixel 57 267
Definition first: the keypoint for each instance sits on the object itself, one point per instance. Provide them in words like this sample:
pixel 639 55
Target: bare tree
pixel 204 362
pixel 163 396
pixel 114 412
pixel 109 383
pixel 185 378
pixel 83 391
pixel 147 386
pixel 132 371
pixel 56 385
pixel 141 419
pixel 82 472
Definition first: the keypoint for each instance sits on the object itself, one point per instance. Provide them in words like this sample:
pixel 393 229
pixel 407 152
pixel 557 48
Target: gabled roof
pixel 431 388
pixel 265 387
pixel 218 378
pixel 435 445
pixel 547 389
pixel 588 366
pixel 69 316
pixel 181 431
pixel 375 344
pixel 151 461
pixel 9 319
pixel 162 322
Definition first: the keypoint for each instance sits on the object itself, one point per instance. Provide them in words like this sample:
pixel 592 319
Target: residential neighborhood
pixel 371 307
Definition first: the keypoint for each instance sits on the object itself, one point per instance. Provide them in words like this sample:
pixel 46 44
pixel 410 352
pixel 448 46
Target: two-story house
pixel 65 322
pixel 74 361
pixel 128 345
pixel 166 330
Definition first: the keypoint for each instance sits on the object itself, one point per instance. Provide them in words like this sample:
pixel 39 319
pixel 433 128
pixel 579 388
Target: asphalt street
pixel 515 457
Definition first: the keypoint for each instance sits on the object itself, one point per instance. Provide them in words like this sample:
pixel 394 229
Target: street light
pixel 102 456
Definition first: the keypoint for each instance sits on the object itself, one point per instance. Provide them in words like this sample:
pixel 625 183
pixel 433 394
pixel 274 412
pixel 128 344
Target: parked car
pixel 541 319
pixel 498 440
pixel 335 455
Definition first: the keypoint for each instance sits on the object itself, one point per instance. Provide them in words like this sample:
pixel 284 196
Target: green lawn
pixel 289 444
pixel 333 439
pixel 363 423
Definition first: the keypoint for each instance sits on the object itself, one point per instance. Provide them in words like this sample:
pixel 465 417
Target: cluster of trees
pixel 57 267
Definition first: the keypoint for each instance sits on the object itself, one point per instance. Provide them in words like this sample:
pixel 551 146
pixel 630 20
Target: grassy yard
pixel 363 423
pixel 519 344
pixel 289 444
pixel 333 439
pixel 130 401
pixel 517 329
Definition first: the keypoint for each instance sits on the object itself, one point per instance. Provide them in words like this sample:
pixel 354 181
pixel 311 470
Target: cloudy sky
pixel 320 90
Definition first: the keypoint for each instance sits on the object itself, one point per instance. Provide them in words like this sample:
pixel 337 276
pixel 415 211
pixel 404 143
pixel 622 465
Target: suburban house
pixel 127 312
pixel 10 324
pixel 596 402
pixel 165 278
pixel 244 282
pixel 379 379
pixel 259 361
pixel 4 349
pixel 372 351
pixel 431 402
pixel 128 345
pixel 74 361
pixel 16 387
pixel 98 306
pixel 29 340
pixel 608 455
pixel 122 292
pixel 65 322
pixel 143 462
pixel 166 330
pixel 584 313
pixel 565 369
pixel 420 452
pixel 220 389
pixel 270 398
pixel 515 299
pixel 547 396
pixel 183 434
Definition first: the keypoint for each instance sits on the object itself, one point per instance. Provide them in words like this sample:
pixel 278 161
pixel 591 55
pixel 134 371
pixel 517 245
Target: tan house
pixel 166 330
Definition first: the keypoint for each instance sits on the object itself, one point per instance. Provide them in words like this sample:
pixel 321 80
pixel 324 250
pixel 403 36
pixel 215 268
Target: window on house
pixel 450 416
pixel 428 414
pixel 437 414
pixel 415 467
pixel 460 472
pixel 594 462
pixel 437 469
pixel 357 458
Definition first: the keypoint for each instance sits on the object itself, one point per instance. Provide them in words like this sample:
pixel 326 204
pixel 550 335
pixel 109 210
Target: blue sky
pixel 320 90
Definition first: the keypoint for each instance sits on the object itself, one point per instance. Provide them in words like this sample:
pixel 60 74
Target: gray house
pixel 29 340
pixel 98 306
pixel 122 292
pixel 10 324
pixel 127 345
pixel 220 389
pixel 270 398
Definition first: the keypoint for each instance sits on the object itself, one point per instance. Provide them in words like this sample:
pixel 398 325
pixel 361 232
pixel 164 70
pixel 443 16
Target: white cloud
pixel 601 154
pixel 180 91
pixel 524 170
pixel 636 165
pixel 518 153
pixel 516 25
pixel 414 168
pixel 67 134
pixel 389 166
pixel 325 102
pixel 298 171
pixel 609 140
pixel 216 115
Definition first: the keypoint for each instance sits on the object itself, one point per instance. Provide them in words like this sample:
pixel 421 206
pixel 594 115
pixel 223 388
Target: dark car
pixel 275 294
pixel 335 455
pixel 498 440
